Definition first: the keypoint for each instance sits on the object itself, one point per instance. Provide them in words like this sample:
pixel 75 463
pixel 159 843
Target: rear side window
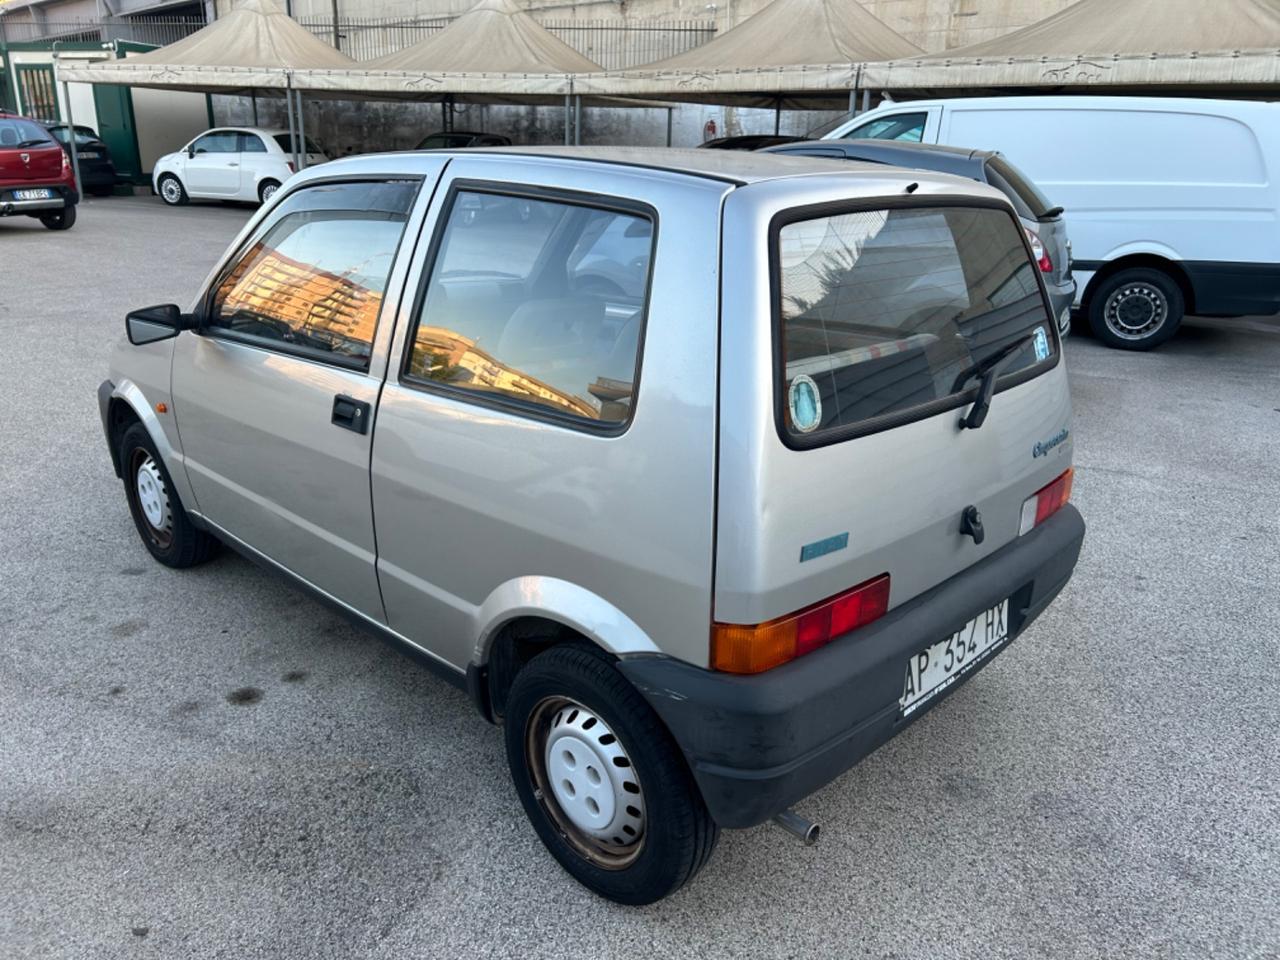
pixel 900 126
pixel 17 132
pixel 252 143
pixel 884 315
pixel 312 282
pixel 1022 193
pixel 536 305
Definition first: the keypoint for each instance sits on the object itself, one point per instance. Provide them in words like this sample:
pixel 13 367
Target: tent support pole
pixel 253 98
pixel 302 134
pixel 577 119
pixel 293 138
pixel 866 100
pixel 668 126
pixel 568 113
pixel 71 125
pixel 777 115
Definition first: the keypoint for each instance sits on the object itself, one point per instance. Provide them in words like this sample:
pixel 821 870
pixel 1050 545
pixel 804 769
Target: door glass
pixel 537 304
pixel 900 126
pixel 220 142
pixel 889 311
pixel 312 280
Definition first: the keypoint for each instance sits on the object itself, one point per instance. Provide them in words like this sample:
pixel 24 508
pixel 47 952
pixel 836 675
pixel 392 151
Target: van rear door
pixel 882 317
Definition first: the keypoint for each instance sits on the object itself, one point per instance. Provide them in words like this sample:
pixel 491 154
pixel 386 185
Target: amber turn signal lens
pixel 754 648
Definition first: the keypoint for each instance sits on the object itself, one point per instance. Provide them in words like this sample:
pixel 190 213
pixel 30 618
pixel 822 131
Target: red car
pixel 36 177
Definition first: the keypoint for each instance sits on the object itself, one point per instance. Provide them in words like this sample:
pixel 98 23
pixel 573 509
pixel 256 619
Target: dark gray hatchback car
pixel 1046 229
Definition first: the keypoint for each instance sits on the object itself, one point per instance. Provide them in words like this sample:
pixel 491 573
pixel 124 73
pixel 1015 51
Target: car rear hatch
pixel 1042 216
pixel 883 321
pixel 27 154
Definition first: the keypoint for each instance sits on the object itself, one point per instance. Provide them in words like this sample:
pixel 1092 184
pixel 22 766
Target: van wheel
pixel 162 523
pixel 1136 309
pixel 603 783
pixel 63 219
pixel 172 191
pixel 267 190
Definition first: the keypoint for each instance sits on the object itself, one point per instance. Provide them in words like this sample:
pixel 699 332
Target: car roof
pixel 960 161
pixel 734 166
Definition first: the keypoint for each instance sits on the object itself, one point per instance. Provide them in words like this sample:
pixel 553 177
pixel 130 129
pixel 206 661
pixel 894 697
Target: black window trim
pixel 204 326
pixel 528 408
pixel 924 411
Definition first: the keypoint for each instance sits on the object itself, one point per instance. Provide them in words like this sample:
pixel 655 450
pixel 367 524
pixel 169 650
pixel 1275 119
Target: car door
pixel 212 166
pixel 255 159
pixel 276 393
pixel 518 461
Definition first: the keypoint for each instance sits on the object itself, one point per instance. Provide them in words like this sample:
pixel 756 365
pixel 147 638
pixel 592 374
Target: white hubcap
pixel 172 192
pixel 151 495
pixel 594 783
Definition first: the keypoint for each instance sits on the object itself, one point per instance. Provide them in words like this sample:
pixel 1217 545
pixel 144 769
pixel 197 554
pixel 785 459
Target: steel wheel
pixel 586 782
pixel 1136 311
pixel 268 190
pixel 152 497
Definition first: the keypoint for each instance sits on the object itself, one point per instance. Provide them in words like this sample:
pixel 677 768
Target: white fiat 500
pixel 230 163
pixel 703 474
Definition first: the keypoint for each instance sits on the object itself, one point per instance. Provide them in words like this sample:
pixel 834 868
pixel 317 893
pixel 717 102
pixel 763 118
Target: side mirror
pixel 151 324
pixel 191 153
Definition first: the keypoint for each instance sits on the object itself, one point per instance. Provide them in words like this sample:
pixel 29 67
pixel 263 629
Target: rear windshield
pixel 885 313
pixel 286 144
pixel 1013 183
pixel 17 132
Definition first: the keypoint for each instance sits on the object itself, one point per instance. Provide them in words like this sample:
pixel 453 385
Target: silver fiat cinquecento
pixel 704 473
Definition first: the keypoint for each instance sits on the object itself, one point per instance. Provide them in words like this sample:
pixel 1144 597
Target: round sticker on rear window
pixel 805 404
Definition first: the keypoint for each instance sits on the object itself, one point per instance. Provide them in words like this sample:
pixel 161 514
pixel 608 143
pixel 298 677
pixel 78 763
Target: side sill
pixel 421 655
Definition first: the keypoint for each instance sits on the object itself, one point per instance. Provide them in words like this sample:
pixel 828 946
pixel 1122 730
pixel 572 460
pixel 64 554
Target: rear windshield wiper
pixel 989 368
pixel 35 143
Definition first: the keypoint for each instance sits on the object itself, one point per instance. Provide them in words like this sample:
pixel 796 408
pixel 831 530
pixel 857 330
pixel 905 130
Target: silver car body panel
pixel 899 493
pixel 493 508
pixel 637 539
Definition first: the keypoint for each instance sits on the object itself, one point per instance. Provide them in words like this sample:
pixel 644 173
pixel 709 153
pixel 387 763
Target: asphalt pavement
pixel 209 764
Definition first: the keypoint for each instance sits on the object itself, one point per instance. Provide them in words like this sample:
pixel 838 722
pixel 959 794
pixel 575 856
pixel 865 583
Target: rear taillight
pixel 754 648
pixel 66 166
pixel 1045 502
pixel 1038 251
pixel 291 169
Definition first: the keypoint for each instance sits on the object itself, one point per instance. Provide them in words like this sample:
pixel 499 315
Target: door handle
pixel 233 164
pixel 350 414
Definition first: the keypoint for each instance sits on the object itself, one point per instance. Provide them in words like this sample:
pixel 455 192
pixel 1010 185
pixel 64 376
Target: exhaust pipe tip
pixel 804 830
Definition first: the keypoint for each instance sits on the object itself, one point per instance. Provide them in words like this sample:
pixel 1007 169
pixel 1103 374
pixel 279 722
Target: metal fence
pixel 613 44
pixel 141 29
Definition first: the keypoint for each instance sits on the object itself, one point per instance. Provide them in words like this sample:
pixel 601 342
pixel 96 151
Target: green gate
pixel 114 107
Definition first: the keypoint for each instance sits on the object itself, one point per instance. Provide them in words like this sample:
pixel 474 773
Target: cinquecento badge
pixel 805 404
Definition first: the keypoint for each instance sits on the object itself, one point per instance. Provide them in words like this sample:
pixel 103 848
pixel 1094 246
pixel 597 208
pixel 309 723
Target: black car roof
pixel 960 161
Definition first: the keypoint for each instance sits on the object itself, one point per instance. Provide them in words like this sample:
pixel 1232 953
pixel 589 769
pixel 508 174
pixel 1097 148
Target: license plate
pixel 934 669
pixel 87 156
pixel 44 193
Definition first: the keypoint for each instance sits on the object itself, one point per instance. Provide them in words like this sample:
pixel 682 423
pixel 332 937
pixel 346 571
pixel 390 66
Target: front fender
pixel 562 602
pixel 128 392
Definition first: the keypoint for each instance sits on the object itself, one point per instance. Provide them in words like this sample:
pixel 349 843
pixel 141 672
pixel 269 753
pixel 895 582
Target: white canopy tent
pixel 1177 45
pixel 793 53
pixel 254 49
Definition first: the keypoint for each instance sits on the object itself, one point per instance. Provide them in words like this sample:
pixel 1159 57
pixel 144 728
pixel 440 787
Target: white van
pixel 1174 203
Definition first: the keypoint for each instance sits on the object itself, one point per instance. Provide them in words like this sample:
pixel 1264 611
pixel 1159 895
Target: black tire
pixel 678 834
pixel 1136 309
pixel 176 541
pixel 267 189
pixel 171 190
pixel 63 219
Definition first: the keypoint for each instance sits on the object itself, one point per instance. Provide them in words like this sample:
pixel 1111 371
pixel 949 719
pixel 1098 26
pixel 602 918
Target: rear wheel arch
pixel 1149 261
pixel 513 645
